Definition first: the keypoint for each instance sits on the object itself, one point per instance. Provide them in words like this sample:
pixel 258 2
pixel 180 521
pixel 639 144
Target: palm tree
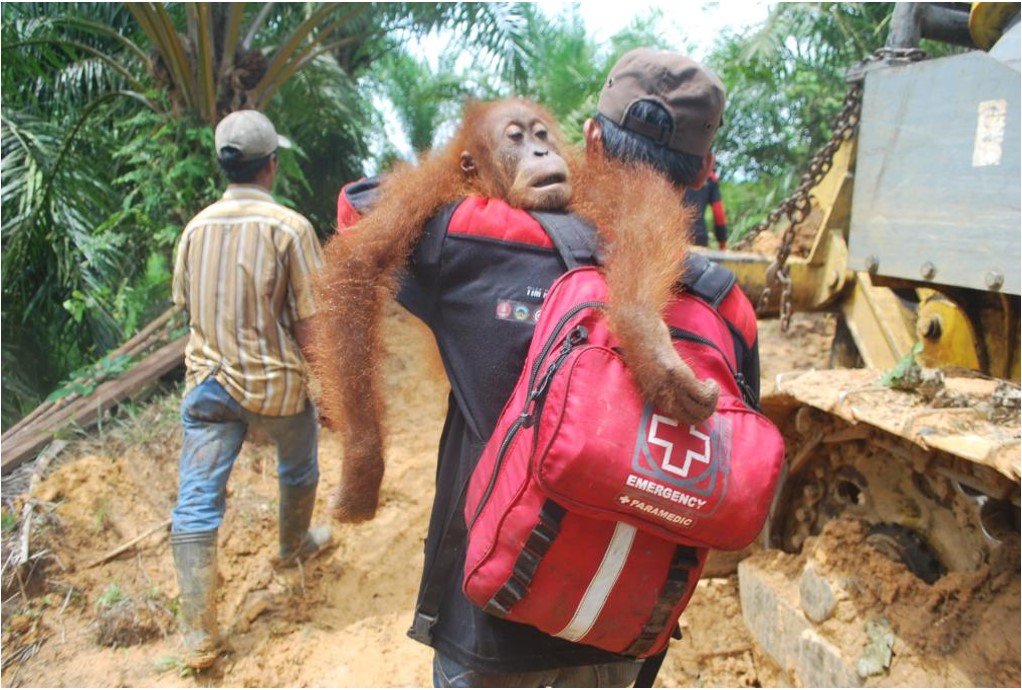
pixel 570 66
pixel 214 65
pixel 58 105
pixel 786 82
pixel 105 133
pixel 211 67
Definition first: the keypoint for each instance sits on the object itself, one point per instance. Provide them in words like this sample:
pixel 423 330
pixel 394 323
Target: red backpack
pixel 589 513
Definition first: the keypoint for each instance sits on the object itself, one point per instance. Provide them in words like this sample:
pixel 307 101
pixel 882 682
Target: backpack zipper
pixel 576 336
pixel 570 314
pixel 739 377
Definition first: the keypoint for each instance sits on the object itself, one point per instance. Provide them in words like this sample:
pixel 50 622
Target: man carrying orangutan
pixel 477 277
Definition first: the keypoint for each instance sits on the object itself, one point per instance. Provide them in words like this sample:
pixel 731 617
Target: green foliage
pixel 113 594
pixel 569 66
pixel 427 98
pixel 906 372
pixel 422 99
pixel 329 148
pixel 88 241
pixel 746 203
pixel 8 522
pixel 63 260
pixel 54 196
pixel 169 173
pixel 785 84
pixel 83 381
pixel 175 663
pixel 136 304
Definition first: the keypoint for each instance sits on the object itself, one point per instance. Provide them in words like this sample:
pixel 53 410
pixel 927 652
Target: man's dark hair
pixel 241 172
pixel 618 142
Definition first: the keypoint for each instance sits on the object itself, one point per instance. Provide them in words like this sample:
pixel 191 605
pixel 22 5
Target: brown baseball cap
pixel 691 93
pixel 249 132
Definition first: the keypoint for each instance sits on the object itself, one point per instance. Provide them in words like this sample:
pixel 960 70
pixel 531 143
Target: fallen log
pixel 83 412
pixel 131 348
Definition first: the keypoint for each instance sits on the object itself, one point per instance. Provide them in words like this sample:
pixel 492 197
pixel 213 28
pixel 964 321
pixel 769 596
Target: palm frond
pixel 297 50
pixel 205 62
pixel 158 26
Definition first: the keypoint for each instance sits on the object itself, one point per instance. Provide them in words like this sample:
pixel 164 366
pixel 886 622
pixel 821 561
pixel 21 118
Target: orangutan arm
pixel 648 234
pixel 346 338
pixel 358 278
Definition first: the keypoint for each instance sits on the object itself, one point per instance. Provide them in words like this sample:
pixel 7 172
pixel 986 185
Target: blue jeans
pixel 448 673
pixel 214 427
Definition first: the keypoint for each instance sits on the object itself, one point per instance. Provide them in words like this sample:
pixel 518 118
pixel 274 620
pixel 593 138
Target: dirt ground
pixel 80 621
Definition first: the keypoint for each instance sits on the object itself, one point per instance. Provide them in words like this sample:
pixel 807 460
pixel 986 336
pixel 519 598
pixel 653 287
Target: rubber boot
pixel 195 562
pixel 297 541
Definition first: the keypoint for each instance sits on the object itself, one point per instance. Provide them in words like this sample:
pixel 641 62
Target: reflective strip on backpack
pixel 602 583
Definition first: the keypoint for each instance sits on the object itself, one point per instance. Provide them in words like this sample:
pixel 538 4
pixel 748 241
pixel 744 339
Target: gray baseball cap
pixel 249 132
pixel 691 93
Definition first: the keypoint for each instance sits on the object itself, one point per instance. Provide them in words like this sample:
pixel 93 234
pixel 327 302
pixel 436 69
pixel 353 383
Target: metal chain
pixel 797 206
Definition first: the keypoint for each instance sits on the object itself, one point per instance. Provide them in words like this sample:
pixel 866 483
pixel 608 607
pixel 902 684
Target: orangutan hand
pixel 662 376
pixel 678 393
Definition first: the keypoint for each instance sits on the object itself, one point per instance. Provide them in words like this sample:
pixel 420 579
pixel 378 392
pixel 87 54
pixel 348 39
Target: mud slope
pixel 341 621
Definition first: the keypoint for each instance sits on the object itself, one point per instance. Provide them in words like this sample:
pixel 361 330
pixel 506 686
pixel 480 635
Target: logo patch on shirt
pixel 510 310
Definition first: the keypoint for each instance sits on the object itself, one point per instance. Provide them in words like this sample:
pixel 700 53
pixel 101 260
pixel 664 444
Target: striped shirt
pixel 243 271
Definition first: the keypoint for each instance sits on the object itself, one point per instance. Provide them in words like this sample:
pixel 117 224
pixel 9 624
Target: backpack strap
pixel 448 552
pixel 574 238
pixel 649 670
pixel 706 279
pixel 575 241
pixel 685 560
pixel 712 283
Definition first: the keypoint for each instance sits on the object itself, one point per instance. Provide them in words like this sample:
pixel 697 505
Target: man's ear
pixel 704 172
pixel 468 163
pixel 592 133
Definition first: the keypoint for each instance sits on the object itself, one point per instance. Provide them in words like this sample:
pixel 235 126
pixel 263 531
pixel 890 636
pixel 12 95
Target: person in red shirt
pixel 708 195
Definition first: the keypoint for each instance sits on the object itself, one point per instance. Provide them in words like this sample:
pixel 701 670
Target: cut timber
pixel 140 342
pixel 21 446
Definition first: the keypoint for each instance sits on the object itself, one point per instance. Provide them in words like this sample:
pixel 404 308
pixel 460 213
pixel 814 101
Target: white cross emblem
pixel 690 456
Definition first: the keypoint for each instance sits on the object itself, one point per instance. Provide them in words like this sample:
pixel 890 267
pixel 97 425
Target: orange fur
pixel 637 210
pixel 357 278
pixel 648 233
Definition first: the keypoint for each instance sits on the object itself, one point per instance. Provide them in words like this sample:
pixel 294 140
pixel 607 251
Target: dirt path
pixel 339 623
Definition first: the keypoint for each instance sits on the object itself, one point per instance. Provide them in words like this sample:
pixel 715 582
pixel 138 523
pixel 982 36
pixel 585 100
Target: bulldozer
pixel 906 228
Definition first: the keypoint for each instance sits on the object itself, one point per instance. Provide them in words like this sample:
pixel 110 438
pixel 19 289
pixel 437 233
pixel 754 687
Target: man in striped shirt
pixel 243 272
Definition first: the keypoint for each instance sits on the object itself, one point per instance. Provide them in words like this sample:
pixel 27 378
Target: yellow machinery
pixel 907 227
